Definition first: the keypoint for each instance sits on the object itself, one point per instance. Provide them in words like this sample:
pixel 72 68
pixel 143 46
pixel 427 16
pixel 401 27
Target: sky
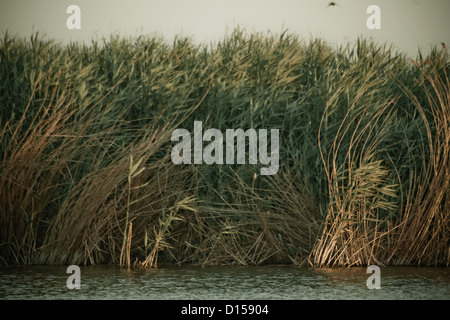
pixel 405 24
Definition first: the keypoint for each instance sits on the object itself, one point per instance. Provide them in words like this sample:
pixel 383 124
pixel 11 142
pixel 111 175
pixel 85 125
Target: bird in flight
pixel 332 4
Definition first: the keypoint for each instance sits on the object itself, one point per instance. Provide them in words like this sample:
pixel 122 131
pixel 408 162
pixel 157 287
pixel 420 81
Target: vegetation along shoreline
pixel 361 170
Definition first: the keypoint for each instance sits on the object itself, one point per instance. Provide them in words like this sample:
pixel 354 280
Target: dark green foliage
pixel 360 107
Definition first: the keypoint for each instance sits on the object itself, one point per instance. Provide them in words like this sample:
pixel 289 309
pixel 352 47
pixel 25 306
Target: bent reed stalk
pixel 86 175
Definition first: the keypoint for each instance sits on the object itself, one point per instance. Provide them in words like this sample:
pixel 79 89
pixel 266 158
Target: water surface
pixel 225 282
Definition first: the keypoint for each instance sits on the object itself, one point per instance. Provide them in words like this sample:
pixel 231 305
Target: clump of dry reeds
pixel 34 162
pixel 422 237
pixel 377 215
pixel 70 196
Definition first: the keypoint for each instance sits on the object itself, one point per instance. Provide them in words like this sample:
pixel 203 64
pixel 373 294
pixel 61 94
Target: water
pixel 230 283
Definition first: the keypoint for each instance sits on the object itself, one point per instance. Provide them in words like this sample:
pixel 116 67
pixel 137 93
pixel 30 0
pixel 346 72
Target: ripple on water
pixel 234 283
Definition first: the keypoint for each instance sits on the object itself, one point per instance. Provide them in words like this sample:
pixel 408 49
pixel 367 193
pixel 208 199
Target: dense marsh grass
pixel 86 175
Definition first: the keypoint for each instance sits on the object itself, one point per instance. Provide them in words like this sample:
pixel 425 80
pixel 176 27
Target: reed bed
pixel 86 175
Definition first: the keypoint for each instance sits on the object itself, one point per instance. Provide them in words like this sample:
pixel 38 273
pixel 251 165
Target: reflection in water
pixel 266 282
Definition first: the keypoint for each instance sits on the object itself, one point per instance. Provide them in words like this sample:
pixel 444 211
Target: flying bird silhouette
pixel 332 4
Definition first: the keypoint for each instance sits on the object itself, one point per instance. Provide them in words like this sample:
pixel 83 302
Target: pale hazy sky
pixel 407 24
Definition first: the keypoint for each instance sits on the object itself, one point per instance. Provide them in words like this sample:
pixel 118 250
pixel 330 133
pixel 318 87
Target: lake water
pixel 227 283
